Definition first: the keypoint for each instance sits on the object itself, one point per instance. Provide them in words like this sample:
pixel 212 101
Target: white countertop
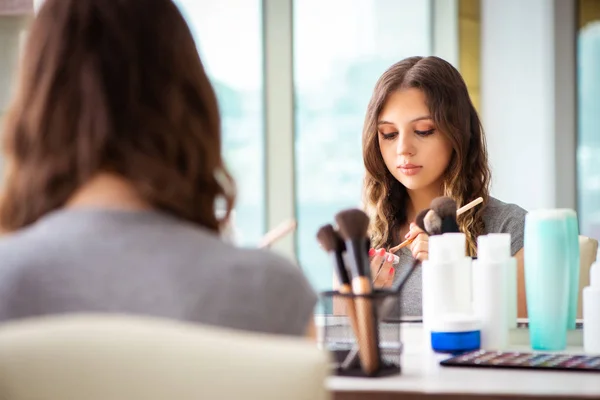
pixel 422 373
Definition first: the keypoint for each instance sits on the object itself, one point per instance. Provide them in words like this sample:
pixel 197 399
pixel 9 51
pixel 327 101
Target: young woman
pixel 423 139
pixel 113 155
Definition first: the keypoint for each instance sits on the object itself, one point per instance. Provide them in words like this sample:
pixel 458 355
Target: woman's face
pixel 413 150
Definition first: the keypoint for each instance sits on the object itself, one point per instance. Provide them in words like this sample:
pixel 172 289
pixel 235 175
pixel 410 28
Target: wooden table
pixel 423 378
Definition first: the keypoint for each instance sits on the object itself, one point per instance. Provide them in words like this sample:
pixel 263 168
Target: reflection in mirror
pixel 586 39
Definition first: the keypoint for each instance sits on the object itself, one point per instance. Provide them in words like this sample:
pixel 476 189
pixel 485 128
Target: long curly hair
pixel 113 86
pixel 467 175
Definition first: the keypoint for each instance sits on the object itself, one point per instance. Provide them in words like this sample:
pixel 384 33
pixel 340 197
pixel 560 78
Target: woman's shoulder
pixel 497 209
pixel 90 230
pixel 274 288
pixel 258 289
pixel 501 217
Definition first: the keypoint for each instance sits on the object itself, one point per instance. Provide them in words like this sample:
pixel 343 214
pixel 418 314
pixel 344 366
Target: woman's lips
pixel 410 169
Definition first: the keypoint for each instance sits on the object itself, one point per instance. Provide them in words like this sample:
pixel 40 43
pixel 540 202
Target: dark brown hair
pixel 467 175
pixel 113 86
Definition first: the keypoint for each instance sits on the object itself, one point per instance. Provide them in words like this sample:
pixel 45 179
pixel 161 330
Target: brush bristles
pixel 420 218
pixel 329 239
pixel 450 225
pixel 432 223
pixel 353 224
pixel 444 207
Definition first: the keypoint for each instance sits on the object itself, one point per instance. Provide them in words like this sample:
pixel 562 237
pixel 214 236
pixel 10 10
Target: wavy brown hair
pixel 467 175
pixel 113 86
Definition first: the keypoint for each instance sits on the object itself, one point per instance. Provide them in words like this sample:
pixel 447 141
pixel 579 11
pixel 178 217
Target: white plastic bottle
pixel 490 291
pixel 591 310
pixel 504 240
pixel 446 279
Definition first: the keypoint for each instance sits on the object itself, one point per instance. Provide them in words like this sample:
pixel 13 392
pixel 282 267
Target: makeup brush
pixel 420 219
pixel 333 244
pixel 386 308
pixel 444 219
pixel 353 225
pixel 432 223
pixel 277 233
pixel 445 207
pixel 419 222
pixel 460 211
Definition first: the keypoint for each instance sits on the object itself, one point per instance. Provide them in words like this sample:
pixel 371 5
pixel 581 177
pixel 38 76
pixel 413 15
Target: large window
pixel 229 38
pixel 588 101
pixel 341 47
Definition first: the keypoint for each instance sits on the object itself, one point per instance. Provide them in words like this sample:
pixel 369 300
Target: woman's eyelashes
pixel 388 136
pixel 392 135
pixel 425 133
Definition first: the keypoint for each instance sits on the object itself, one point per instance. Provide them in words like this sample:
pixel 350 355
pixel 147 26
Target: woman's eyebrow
pixel 424 117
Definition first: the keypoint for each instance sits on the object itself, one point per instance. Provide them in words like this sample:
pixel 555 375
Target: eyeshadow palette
pixel 539 361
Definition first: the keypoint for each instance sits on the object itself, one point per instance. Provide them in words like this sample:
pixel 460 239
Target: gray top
pixel 498 217
pixel 146 262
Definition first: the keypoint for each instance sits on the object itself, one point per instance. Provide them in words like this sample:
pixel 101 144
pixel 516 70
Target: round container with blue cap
pixel 456 333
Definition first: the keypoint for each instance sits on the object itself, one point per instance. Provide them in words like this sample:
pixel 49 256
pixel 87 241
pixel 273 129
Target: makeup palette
pixel 538 361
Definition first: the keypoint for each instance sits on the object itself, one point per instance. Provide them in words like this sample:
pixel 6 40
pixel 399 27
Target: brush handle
pixel 401 245
pixel 385 310
pixel 340 268
pixel 350 308
pixel 368 338
pixel 468 206
pixel 358 253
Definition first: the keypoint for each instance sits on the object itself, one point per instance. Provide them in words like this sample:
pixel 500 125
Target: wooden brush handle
pixel 401 245
pixel 468 206
pixel 350 310
pixel 385 309
pixel 368 341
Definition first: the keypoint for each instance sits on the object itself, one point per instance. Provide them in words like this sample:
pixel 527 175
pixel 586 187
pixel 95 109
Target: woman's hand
pixel 382 267
pixel 420 245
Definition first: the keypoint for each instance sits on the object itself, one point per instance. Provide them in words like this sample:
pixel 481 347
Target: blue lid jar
pixel 456 333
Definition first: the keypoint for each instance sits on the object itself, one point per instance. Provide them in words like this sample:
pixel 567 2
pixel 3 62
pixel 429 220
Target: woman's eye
pixel 388 136
pixel 425 133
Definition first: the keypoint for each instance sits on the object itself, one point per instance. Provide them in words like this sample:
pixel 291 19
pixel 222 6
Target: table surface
pixel 421 373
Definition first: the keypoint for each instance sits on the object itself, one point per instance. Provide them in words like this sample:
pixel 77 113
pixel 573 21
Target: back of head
pixel 113 86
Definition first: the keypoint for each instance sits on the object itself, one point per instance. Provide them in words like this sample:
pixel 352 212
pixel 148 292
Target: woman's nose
pixel 405 144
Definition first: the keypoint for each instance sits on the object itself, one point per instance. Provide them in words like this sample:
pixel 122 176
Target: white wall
pixel 528 100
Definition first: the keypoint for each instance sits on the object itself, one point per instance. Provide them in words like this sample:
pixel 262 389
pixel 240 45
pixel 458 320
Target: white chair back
pixel 124 358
